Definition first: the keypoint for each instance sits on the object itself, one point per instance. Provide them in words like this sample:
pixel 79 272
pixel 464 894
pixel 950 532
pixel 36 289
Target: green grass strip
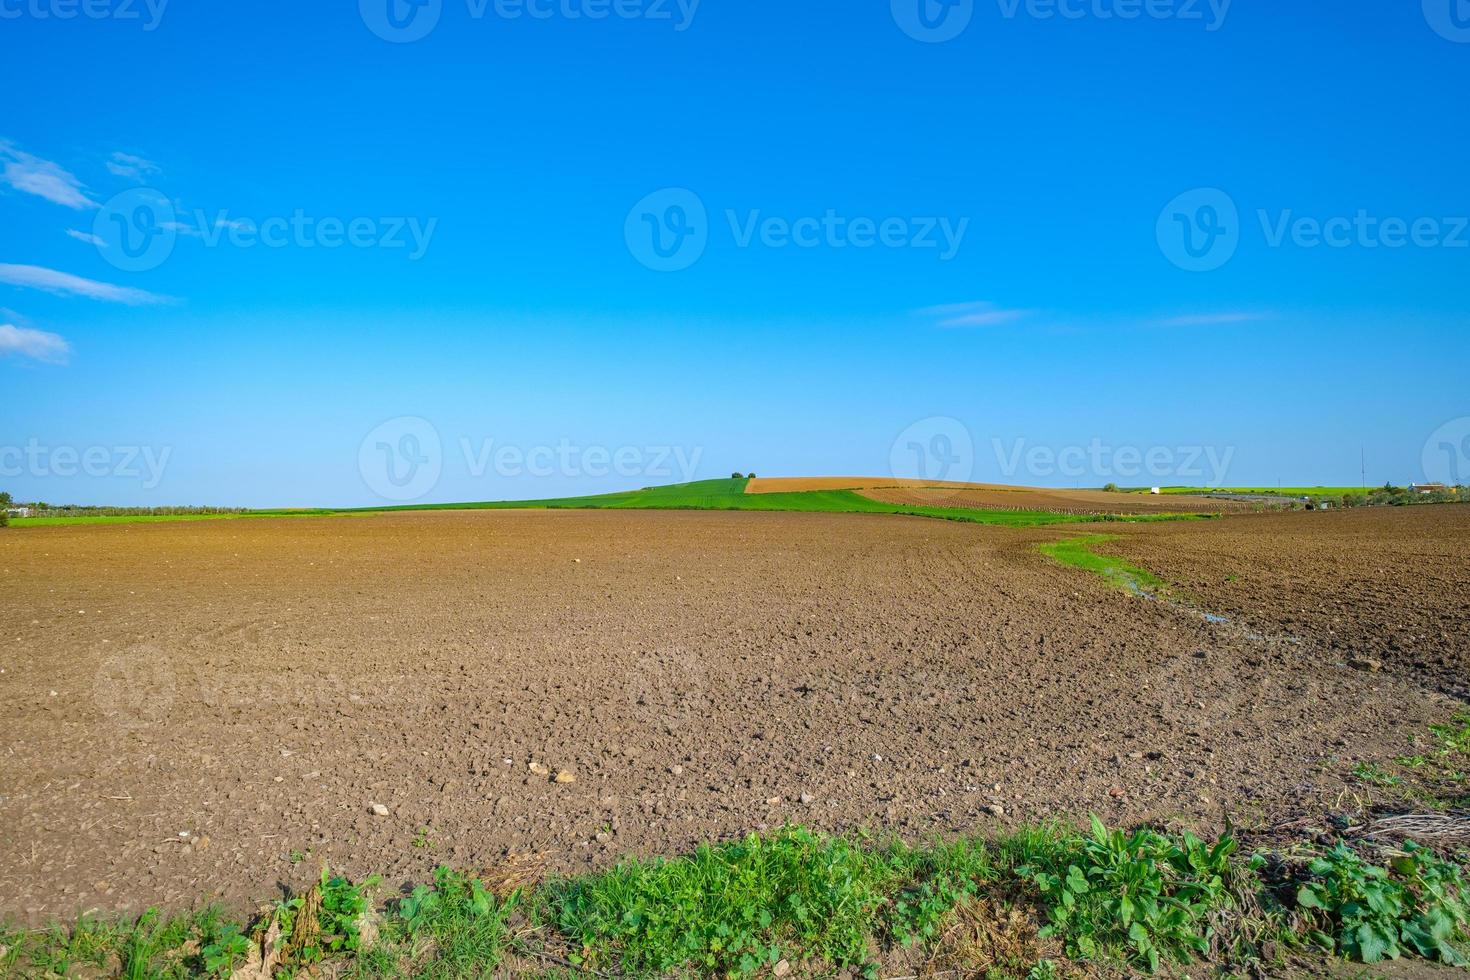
pixel 1078 552
pixel 1136 900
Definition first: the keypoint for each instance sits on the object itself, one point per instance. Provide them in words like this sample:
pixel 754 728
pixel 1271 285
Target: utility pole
pixel 1363 467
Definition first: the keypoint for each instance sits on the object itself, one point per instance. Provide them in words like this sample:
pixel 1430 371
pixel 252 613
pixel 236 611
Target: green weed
pixel 1376 775
pixel 731 908
pixel 1145 896
pixel 1369 914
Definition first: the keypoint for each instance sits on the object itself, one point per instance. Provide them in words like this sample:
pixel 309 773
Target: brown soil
pixel 1390 585
pixel 186 708
pixel 1062 501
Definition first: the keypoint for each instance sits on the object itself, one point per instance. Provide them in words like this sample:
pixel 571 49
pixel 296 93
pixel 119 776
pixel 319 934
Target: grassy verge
pixel 1077 552
pixel 701 495
pixel 1046 902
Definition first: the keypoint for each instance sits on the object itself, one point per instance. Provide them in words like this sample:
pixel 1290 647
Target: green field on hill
pixel 726 494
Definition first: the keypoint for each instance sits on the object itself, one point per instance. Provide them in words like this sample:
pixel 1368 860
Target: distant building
pixel 17 512
pixel 1427 488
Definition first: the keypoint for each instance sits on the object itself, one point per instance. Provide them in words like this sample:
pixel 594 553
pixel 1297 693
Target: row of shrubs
pixel 1392 496
pixel 1031 905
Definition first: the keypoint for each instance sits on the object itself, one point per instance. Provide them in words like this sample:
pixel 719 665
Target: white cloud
pixel 1213 319
pixel 182 228
pixel 130 166
pixel 85 236
pixel 977 314
pixel 35 344
pixel 32 175
pixel 66 284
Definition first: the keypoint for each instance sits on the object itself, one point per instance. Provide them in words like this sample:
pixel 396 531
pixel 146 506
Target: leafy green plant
pixel 225 948
pixel 341 906
pixel 1369 914
pixel 731 908
pixel 1144 895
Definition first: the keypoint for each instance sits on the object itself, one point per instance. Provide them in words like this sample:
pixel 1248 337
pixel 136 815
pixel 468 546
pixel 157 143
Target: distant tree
pixel 737 476
pixel 752 476
pixel 1111 488
pixel 4 504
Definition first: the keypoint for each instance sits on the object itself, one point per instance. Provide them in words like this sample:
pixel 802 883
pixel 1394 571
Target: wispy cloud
pixel 35 344
pixel 977 314
pixel 85 236
pixel 66 284
pixel 130 166
pixel 31 175
pixel 1214 319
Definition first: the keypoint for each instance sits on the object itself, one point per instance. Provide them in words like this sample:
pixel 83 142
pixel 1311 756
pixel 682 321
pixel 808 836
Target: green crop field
pixel 731 495
pixel 700 495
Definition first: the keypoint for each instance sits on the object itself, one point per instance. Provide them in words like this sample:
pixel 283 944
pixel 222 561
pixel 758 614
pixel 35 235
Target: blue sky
pixel 989 260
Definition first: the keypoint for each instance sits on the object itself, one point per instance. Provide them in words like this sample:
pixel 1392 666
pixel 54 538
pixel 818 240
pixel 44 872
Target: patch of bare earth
pixel 198 711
